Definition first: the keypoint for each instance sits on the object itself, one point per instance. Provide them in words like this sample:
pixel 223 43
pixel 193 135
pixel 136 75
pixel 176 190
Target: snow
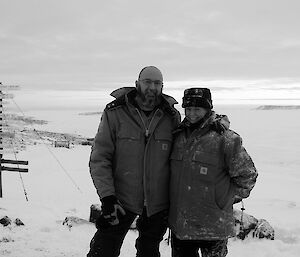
pixel 58 185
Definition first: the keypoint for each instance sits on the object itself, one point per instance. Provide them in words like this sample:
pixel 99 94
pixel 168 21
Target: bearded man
pixel 129 165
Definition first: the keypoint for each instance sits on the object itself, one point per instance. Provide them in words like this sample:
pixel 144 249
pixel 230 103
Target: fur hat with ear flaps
pixel 197 97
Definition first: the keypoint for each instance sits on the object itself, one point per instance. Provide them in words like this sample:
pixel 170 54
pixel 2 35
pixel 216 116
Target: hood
pixel 124 90
pixel 222 119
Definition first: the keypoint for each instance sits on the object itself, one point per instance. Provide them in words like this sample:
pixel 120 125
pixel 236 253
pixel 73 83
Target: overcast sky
pixel 90 44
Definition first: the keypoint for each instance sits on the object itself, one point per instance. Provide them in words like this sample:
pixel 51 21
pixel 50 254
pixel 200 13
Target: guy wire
pixel 15 154
pixel 53 155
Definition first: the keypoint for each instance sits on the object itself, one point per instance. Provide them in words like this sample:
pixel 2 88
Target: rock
pixel 71 221
pixel 5 221
pixel 19 222
pixel 95 212
pixel 6 239
pixel 263 230
pixel 86 142
pixel 245 223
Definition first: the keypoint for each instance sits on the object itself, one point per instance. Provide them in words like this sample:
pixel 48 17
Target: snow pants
pixel 108 240
pixel 183 248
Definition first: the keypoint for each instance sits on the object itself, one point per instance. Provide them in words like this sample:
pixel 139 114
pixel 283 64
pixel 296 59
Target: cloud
pixel 289 43
pixel 200 43
pixel 109 41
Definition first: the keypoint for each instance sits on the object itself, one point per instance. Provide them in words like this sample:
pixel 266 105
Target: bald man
pixel 129 165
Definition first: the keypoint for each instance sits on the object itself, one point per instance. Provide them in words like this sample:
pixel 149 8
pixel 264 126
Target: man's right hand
pixel 111 208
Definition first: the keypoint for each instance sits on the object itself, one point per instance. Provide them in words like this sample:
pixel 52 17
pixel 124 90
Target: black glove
pixel 111 209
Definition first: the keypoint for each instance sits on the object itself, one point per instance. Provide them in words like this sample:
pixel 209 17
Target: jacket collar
pixel 200 124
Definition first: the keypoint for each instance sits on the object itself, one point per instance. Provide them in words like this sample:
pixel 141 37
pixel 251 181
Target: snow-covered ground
pixel 58 185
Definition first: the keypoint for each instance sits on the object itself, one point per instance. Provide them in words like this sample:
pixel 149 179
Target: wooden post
pixel 1 147
pixel 0 178
pixel 2 168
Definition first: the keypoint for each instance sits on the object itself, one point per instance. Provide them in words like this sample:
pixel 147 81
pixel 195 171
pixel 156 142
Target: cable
pixel 22 182
pixel 242 215
pixel 53 155
pixel 15 154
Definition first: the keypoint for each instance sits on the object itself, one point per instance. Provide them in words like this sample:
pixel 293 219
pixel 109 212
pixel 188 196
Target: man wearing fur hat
pixel 210 171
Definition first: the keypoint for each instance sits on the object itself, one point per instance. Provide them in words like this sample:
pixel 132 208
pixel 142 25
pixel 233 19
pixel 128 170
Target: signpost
pixel 6 161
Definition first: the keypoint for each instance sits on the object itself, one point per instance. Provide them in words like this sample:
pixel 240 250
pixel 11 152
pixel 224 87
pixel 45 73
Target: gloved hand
pixel 111 209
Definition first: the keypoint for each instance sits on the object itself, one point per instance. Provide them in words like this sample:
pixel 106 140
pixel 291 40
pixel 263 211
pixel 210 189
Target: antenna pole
pixel 14 162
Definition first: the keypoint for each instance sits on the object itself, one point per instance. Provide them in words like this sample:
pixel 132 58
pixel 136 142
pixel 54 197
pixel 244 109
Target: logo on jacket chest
pixel 164 147
pixel 203 170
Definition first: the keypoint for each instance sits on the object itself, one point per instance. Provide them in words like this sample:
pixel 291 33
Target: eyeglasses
pixel 148 82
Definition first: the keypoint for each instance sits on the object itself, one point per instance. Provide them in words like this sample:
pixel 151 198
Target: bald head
pixel 151 72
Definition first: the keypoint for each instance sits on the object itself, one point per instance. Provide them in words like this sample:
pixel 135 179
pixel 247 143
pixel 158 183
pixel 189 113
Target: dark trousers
pixel 108 240
pixel 190 248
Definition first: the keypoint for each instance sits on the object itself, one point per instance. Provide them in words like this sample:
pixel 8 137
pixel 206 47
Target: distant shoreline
pixel 260 107
pixel 278 107
pixel 90 113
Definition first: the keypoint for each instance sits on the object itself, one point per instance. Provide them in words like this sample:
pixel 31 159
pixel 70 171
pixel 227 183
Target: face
pixel 149 85
pixel 194 114
pixel 149 89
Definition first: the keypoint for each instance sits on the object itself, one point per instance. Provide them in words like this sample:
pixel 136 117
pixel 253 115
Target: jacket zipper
pixel 146 135
pixel 146 128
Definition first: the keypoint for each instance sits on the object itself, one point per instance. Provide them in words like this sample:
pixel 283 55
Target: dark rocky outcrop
pixel 5 221
pixel 71 221
pixel 247 225
pixel 19 222
pixel 278 107
pixel 95 212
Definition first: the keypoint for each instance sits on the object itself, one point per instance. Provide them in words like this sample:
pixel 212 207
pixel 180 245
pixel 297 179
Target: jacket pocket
pixel 163 136
pixel 204 166
pixel 128 149
pixel 129 139
pixel 128 133
pixel 206 157
pixel 224 198
pixel 163 142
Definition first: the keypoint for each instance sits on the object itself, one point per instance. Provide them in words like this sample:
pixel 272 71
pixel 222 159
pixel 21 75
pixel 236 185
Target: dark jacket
pixel 208 170
pixel 131 161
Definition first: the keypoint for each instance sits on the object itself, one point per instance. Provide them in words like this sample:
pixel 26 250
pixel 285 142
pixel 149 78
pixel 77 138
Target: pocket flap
pixel 129 134
pixel 163 136
pixel 207 158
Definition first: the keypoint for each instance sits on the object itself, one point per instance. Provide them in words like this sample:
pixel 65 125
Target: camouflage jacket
pixel 208 170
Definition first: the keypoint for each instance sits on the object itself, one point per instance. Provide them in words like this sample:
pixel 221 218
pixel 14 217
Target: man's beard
pixel 150 99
